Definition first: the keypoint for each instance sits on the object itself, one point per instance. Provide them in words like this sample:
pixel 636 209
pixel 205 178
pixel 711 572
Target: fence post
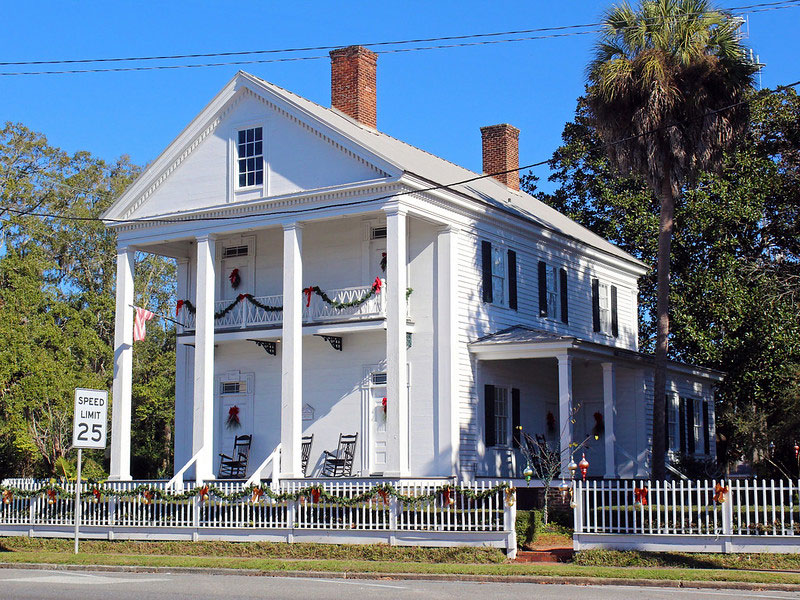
pixel 727 520
pixel 510 520
pixel 196 517
pixel 577 507
pixel 393 508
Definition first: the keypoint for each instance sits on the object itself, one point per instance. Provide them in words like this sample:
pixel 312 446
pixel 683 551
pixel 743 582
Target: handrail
pixel 674 470
pixel 255 478
pixel 179 475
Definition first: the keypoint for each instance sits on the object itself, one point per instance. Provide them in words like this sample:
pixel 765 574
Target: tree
pixel 663 92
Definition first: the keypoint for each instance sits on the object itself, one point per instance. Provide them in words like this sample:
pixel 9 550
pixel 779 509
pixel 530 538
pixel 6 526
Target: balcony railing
pixel 246 314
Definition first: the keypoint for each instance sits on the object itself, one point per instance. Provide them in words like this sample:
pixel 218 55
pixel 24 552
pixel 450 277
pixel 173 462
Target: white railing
pixel 246 314
pixel 747 514
pixel 382 519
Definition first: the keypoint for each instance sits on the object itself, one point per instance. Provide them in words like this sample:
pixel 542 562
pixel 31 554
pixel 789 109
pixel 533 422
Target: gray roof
pixel 520 334
pixel 440 171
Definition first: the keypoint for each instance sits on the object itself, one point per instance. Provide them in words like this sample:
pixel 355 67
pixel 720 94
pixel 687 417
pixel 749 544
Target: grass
pixel 389 560
pixel 684 560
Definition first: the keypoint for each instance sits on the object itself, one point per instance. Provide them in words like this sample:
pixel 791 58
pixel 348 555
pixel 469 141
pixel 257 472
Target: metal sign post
pixel 88 431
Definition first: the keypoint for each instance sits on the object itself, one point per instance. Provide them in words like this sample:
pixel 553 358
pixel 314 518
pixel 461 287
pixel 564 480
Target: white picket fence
pixel 692 516
pixel 465 522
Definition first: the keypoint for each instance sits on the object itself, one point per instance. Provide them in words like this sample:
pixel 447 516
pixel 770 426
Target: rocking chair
pixel 235 466
pixel 340 463
pixel 305 451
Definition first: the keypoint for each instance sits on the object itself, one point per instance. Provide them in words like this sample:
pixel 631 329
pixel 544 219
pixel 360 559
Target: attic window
pixel 234 387
pixel 234 251
pixel 379 233
pixel 251 157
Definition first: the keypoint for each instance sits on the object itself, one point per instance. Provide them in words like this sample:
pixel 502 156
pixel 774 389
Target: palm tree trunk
pixel 668 193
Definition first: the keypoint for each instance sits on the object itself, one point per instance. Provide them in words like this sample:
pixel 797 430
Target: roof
pixel 522 334
pixel 443 172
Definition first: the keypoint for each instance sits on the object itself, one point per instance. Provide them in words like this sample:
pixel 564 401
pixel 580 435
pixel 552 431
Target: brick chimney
pixel 353 71
pixel 501 153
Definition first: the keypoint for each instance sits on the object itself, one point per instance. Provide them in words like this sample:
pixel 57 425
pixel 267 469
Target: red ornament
pixel 235 278
pixel 640 495
pixel 583 466
pixel 233 422
pixel 178 307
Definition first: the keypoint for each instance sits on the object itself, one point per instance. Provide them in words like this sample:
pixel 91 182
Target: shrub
pixel 528 525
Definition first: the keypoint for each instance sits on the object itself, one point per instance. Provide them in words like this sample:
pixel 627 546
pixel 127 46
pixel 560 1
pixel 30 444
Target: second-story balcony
pixel 266 311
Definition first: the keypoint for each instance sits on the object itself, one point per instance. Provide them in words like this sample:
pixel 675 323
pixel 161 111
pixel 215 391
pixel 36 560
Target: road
pixel 19 584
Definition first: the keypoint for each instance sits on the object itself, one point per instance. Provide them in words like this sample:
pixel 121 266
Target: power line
pixel 567 31
pixel 448 186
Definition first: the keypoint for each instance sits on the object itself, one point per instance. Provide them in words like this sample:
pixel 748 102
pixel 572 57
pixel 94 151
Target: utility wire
pixel 567 31
pixel 448 186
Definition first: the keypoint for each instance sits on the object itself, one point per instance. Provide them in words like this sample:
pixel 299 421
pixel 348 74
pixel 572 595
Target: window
pixel 604 308
pixel 672 422
pixel 378 233
pixel 498 276
pixel 604 304
pixel 234 251
pixel 501 416
pixel 250 154
pixel 379 379
pixel 697 425
pixel 552 292
pixel 234 387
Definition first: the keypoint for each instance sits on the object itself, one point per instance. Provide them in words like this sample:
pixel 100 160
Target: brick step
pixel 551 555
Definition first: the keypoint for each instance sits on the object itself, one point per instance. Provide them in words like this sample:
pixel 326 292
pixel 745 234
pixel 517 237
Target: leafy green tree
pixel 659 74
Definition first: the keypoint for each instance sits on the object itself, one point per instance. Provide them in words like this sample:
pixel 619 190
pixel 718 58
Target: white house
pixel 475 307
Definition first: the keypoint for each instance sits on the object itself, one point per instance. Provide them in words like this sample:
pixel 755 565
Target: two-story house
pixel 333 279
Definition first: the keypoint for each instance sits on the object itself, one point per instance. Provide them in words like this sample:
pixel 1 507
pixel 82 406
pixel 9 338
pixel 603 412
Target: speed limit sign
pixel 89 426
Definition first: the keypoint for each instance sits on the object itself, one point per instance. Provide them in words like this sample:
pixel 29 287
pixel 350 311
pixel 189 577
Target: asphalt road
pixel 18 584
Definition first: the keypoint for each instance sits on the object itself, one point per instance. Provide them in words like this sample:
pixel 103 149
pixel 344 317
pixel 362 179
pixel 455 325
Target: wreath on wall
pixel 383 262
pixel 233 422
pixel 235 278
pixel 599 425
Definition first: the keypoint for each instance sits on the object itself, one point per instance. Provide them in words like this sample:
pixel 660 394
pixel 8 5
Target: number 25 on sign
pixel 91 410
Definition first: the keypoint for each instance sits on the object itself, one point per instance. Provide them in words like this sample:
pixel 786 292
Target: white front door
pixel 375 446
pixel 235 405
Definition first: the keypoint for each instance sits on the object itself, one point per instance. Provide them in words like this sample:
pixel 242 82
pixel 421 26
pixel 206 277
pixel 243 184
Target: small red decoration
pixel 96 494
pixel 308 291
pixel 233 422
pixel 640 495
pixel 551 422
pixel 384 496
pixel 204 493
pixel 376 285
pixel 51 496
pixel 257 493
pixel 383 404
pixel 147 497
pixel 315 494
pixel 7 496
pixel 235 278
pixel 719 493
pixel 178 307
pixel 583 466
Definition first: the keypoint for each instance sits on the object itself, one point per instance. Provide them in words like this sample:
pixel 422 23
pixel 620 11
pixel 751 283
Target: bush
pixel 528 525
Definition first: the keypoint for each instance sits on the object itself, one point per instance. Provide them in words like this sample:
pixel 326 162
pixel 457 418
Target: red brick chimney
pixel 353 71
pixel 501 153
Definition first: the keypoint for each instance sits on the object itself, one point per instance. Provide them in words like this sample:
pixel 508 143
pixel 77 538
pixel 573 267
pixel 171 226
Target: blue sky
pixel 434 99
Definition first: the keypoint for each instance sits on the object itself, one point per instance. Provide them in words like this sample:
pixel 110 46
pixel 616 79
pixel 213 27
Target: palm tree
pixel 661 89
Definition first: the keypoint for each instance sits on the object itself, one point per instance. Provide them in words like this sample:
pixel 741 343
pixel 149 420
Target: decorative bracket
pixel 270 348
pixel 335 341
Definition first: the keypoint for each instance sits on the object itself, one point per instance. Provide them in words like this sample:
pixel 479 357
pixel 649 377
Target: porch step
pixel 550 555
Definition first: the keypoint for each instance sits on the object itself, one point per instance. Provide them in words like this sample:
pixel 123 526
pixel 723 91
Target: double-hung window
pixel 604 308
pixel 501 416
pixel 553 292
pixel 671 410
pixel 250 156
pixel 604 305
pixel 499 275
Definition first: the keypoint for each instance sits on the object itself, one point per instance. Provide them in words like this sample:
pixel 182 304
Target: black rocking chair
pixel 235 466
pixel 305 451
pixel 340 463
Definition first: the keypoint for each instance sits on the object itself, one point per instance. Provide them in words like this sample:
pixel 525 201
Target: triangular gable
pixel 301 152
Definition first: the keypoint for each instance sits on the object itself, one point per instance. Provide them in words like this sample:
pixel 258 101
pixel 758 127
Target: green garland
pixel 151 493
pixel 224 311
pixel 374 289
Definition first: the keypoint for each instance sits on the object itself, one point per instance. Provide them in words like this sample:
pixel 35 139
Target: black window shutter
pixel 690 424
pixel 596 304
pixel 486 257
pixel 542 289
pixel 564 296
pixel 682 423
pixel 516 434
pixel 614 318
pixel 512 280
pixel 706 429
pixel 488 426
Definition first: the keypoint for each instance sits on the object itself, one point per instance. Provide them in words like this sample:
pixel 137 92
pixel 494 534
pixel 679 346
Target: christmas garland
pixel 149 494
pixel 374 289
pixel 224 311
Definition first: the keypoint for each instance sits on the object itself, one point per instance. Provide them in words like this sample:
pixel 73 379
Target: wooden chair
pixel 235 465
pixel 340 463
pixel 305 451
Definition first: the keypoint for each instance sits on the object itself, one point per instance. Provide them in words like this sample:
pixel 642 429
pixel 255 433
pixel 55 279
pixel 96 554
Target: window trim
pixel 604 293
pixel 255 156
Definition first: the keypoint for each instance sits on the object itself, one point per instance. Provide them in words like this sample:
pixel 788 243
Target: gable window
pixel 604 308
pixel 553 297
pixel 250 153
pixel 499 275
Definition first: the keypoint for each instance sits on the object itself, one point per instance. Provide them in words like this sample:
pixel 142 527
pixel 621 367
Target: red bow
pixel 51 496
pixel 241 297
pixel 384 496
pixel 376 285
pixel 640 495
pixel 308 291
pixel 178 307
pixel 257 493
pixel 719 493
pixel 315 494
pixel 96 494
pixel 204 493
pixel 148 496
pixel 448 501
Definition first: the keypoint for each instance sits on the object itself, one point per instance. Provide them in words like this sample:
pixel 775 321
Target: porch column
pixel 609 412
pixel 396 362
pixel 203 408
pixel 292 352
pixel 181 440
pixel 123 368
pixel 565 410
pixel 447 350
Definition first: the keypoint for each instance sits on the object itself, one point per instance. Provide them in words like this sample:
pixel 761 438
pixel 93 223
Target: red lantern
pixel 583 466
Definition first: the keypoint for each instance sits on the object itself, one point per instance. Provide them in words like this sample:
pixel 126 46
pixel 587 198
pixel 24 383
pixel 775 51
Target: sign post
pixel 88 431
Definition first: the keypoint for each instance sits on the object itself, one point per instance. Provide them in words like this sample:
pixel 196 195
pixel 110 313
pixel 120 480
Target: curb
pixel 541 579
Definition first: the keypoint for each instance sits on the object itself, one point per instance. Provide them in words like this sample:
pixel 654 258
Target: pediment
pixel 301 153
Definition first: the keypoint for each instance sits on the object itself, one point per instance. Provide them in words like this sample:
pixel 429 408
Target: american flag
pixel 139 323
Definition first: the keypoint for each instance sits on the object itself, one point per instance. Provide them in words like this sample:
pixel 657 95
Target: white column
pixel 396 362
pixel 182 399
pixel 123 368
pixel 447 350
pixel 565 410
pixel 292 352
pixel 609 414
pixel 203 409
